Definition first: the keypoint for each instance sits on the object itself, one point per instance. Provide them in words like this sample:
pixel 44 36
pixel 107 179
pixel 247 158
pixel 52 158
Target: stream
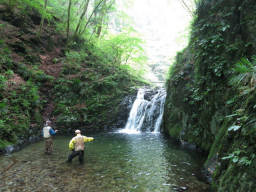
pixel 113 162
pixel 136 158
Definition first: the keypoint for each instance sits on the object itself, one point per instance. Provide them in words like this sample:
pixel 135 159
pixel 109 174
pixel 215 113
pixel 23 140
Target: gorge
pixel 60 61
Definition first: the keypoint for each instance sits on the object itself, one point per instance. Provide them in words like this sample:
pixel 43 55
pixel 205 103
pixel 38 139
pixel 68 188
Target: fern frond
pixel 241 68
pixel 238 79
pixel 246 62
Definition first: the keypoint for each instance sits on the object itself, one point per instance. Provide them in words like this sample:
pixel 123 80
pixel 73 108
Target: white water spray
pixel 146 115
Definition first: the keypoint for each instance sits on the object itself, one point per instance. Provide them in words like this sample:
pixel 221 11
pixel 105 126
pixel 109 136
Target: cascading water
pixel 147 112
pixel 161 112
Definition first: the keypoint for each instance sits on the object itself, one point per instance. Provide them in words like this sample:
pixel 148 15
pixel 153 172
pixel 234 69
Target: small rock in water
pixel 184 188
pixel 180 189
pixel 20 181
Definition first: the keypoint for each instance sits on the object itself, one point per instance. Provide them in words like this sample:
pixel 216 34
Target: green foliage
pixel 17 102
pixel 27 5
pixel 75 57
pixel 124 49
pixel 97 70
pixel 245 77
pixel 235 158
pixel 212 85
pixel 87 18
pixel 96 84
pixel 17 111
pixel 5 61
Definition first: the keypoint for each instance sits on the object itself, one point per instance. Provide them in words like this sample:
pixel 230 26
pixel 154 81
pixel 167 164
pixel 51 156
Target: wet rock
pixel 123 111
pixel 9 149
pixel 149 94
pixel 180 189
pixel 21 143
pixel 32 139
pixel 188 145
pixel 183 188
pixel 210 168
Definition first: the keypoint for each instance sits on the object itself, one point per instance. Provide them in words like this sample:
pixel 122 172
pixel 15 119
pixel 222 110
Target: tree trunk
pixel 81 17
pixel 102 14
pixel 68 21
pixel 89 19
pixel 42 20
pixel 99 29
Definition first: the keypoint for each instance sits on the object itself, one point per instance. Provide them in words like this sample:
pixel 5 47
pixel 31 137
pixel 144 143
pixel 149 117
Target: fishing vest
pixel 46 132
pixel 79 142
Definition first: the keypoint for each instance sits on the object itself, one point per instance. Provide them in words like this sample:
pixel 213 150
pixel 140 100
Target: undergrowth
pixel 212 87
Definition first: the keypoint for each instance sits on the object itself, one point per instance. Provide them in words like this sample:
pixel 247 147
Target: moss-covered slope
pixel 204 105
pixel 75 86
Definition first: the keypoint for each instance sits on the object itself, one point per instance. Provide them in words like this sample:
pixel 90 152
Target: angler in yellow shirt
pixel 77 146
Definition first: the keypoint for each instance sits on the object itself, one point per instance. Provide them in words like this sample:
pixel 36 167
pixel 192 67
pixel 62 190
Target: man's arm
pixel 88 139
pixel 72 144
pixel 52 131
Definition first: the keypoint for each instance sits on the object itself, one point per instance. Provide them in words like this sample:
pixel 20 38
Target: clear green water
pixel 114 162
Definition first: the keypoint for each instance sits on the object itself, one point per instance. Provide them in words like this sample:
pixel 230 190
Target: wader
pixel 76 153
pixel 48 145
pixel 77 146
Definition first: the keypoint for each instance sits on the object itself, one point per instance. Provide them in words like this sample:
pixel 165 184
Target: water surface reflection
pixel 114 162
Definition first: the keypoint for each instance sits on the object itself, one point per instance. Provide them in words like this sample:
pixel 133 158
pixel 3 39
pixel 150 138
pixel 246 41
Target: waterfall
pixel 159 119
pixel 147 111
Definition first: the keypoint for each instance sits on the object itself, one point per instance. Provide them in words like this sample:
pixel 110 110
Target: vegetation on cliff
pixel 59 61
pixel 211 92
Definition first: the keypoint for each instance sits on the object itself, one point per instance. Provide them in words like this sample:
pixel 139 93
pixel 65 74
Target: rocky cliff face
pixel 204 105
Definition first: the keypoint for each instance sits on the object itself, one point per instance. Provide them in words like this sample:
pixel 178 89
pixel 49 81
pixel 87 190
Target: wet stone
pixel 183 188
pixel 9 149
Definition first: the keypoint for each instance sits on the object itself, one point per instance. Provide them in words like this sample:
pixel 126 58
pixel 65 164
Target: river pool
pixel 114 162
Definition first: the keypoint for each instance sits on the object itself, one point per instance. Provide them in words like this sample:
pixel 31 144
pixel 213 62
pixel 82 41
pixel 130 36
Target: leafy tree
pixel 125 50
